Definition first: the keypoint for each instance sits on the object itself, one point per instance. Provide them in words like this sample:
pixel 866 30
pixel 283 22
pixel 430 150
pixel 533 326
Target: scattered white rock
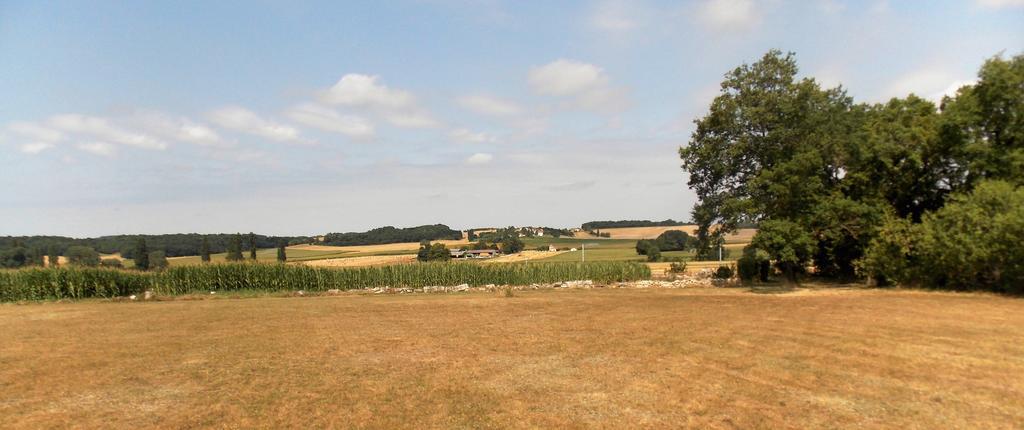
pixel 334 291
pixel 148 295
pixel 131 297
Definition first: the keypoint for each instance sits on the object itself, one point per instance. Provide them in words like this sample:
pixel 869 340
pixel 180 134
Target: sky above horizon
pixel 300 118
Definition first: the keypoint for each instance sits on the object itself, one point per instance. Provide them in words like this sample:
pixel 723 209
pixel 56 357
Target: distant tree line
pixel 596 225
pixel 904 191
pixel 390 234
pixel 173 245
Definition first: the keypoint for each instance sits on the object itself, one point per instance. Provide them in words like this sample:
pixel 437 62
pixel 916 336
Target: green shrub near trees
pixel 673 240
pixel 158 260
pixel 723 272
pixel 433 252
pixel 863 190
pixel 974 242
pixel 754 264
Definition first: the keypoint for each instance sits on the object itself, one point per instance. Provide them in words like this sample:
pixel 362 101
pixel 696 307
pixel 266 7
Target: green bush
pixel 653 253
pixel 723 272
pixel 158 260
pixel 747 268
pixel 972 243
pixel 677 267
pixel 754 264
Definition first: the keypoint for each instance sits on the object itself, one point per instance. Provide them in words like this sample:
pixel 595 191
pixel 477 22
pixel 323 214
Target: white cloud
pixel 728 14
pixel 566 77
pixel 245 121
pixel 998 4
pixel 465 135
pixel 101 128
pixel 587 85
pixel 355 89
pixel 479 158
pixel 328 119
pixel 397 106
pixel 97 148
pixel 35 147
pixel 179 129
pixel 488 105
pixel 35 131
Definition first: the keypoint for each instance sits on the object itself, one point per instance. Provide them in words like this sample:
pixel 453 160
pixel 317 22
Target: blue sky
pixel 309 117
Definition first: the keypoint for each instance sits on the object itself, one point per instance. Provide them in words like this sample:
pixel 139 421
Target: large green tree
pixel 768 149
pixel 988 117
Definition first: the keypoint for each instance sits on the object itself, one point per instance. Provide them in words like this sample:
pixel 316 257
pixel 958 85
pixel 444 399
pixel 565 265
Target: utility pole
pixel 584 257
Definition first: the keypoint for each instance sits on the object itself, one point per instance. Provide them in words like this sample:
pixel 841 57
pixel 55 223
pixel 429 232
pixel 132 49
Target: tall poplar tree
pixel 141 254
pixel 235 248
pixel 252 246
pixel 204 250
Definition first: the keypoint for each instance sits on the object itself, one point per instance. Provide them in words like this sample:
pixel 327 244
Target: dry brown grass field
pixel 705 358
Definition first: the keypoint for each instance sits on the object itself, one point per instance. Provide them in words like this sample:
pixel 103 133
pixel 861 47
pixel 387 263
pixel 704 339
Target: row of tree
pixel 173 245
pixel 596 225
pixel 903 191
pixel 390 234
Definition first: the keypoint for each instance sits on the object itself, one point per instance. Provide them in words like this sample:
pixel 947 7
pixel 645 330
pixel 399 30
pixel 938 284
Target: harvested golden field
pixel 523 256
pixel 742 235
pixel 371 260
pixel 718 358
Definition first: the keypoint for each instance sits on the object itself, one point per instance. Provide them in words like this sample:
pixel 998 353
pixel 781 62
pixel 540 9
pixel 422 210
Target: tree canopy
pixel 824 177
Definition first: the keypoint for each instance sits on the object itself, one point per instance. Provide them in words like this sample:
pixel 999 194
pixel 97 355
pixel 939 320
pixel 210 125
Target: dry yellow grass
pixel 559 359
pixel 523 256
pixel 372 260
pixel 662 269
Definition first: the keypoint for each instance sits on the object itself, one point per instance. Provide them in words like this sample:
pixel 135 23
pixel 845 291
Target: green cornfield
pixel 77 283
